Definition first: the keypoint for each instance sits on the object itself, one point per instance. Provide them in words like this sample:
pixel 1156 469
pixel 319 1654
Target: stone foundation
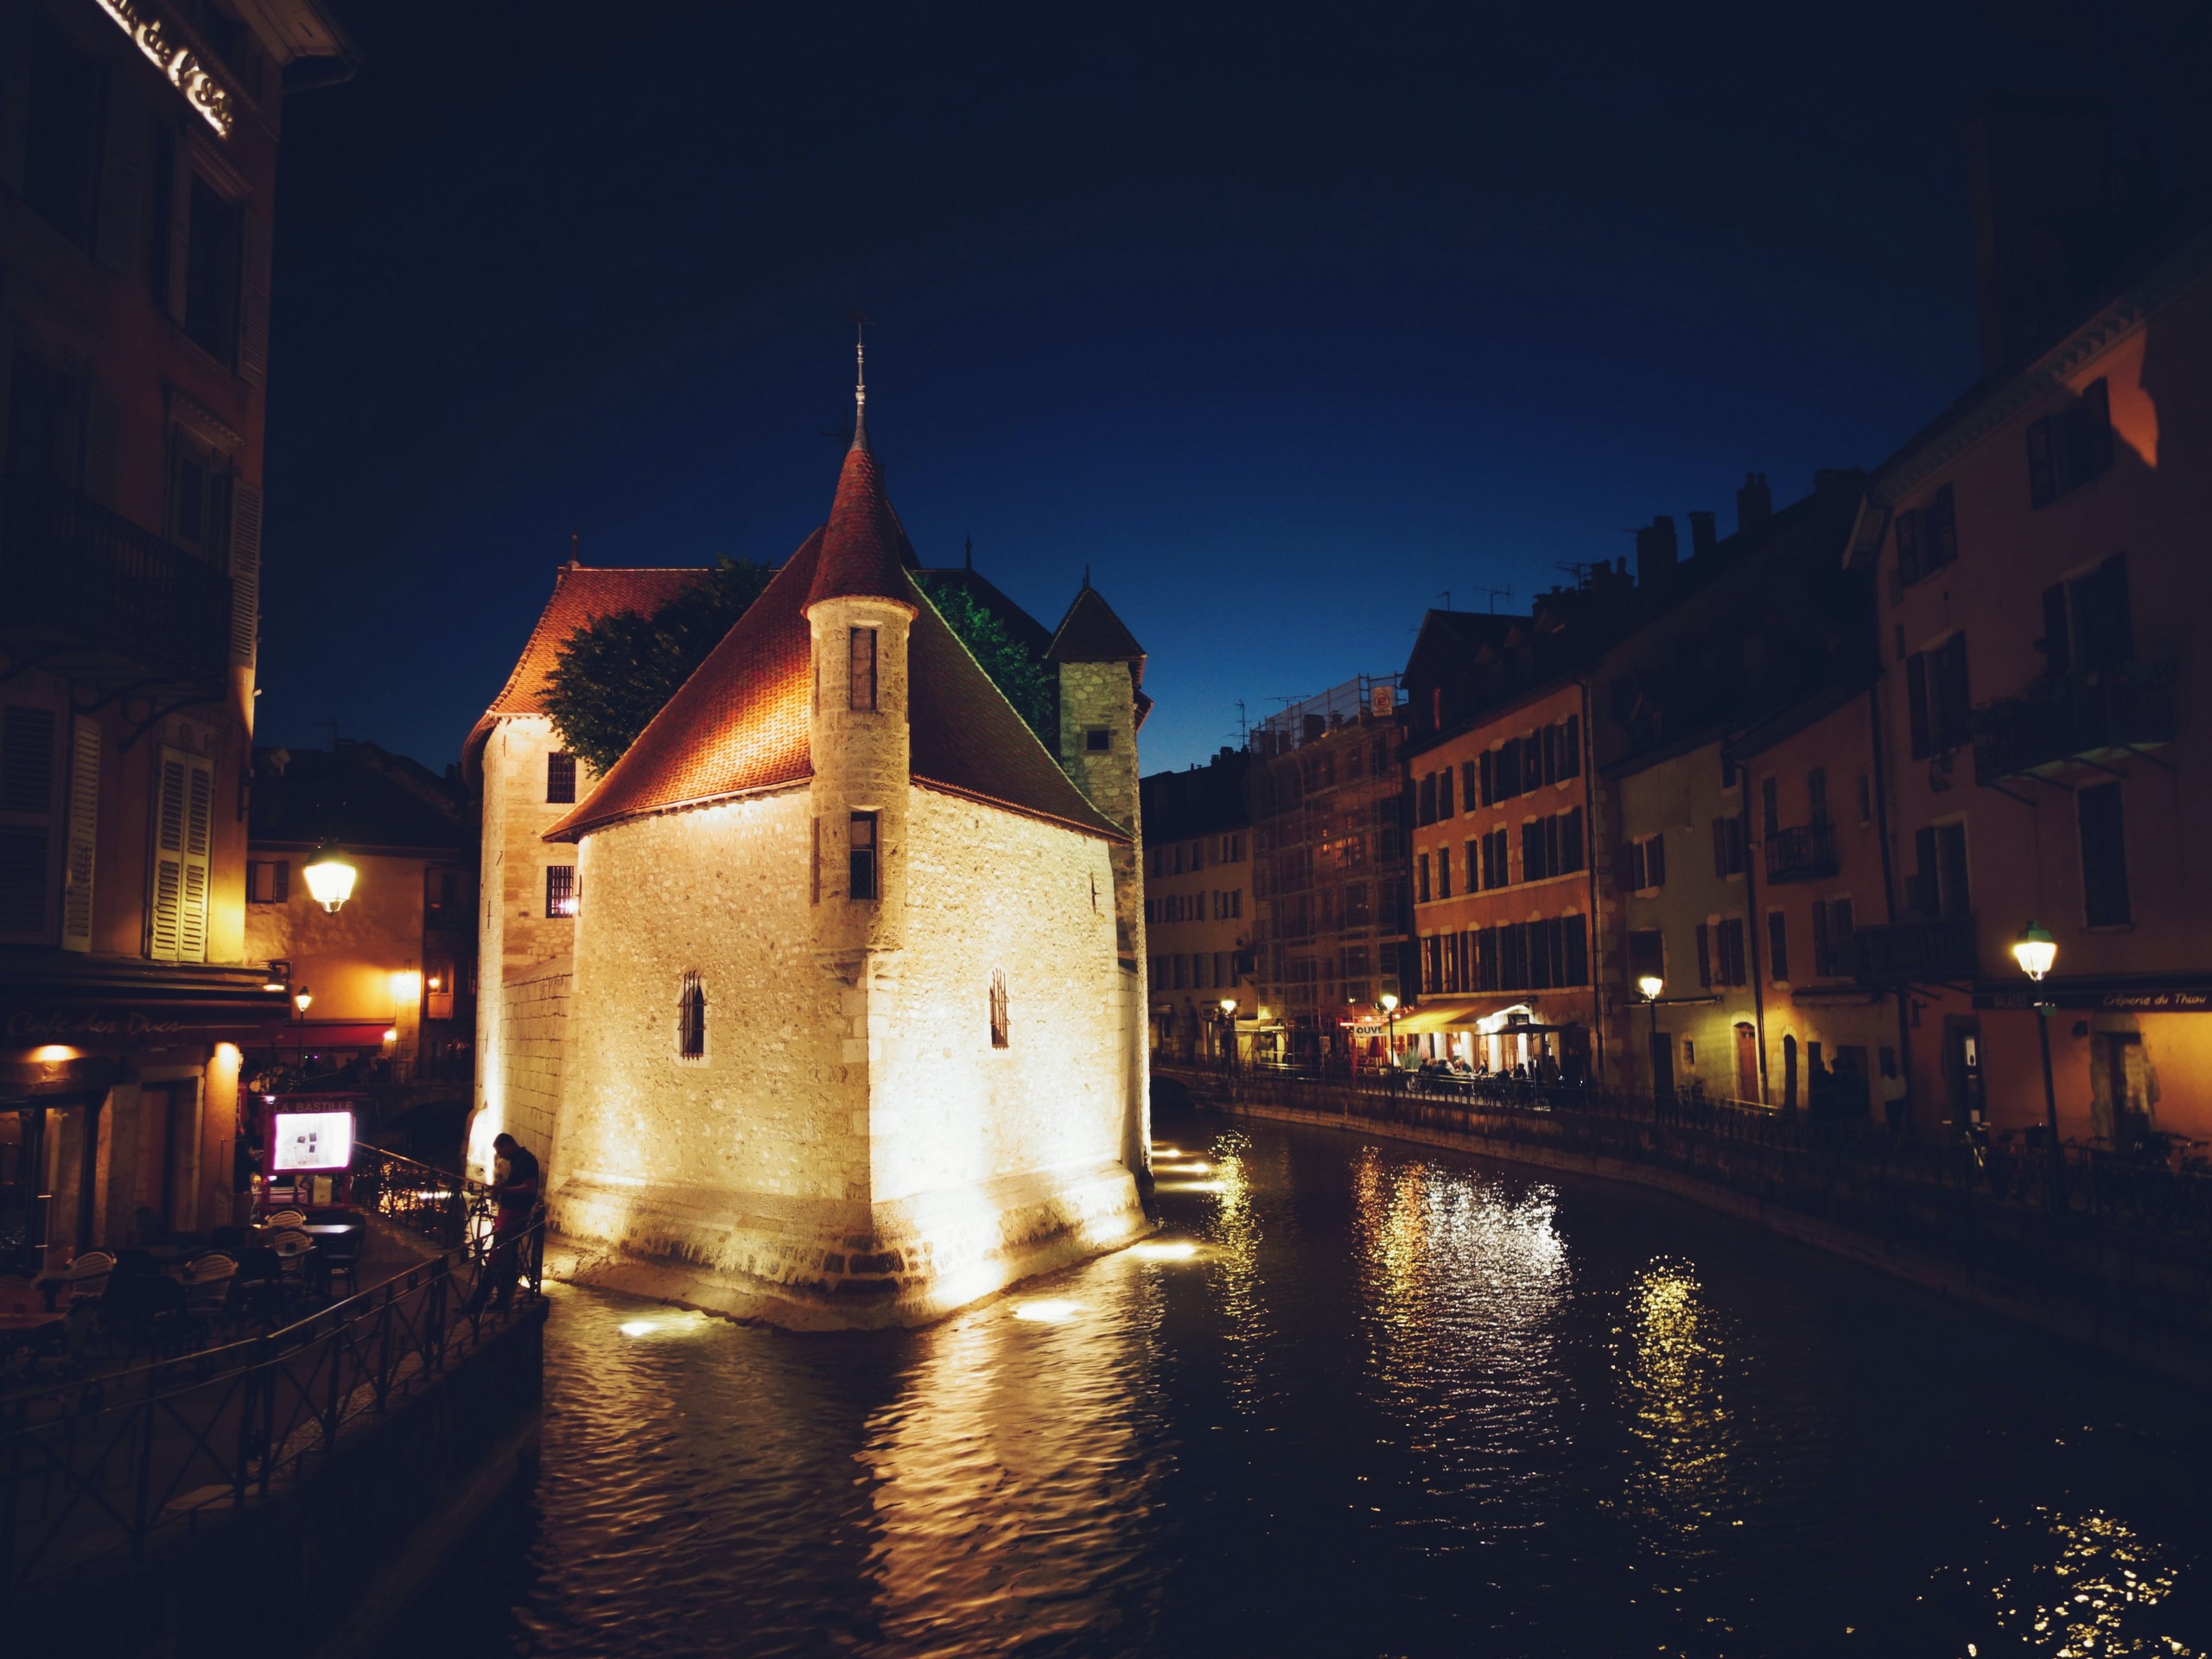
pixel 823 1265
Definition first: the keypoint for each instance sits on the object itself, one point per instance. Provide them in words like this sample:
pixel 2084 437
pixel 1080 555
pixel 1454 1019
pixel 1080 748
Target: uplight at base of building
pixel 1047 1310
pixel 1165 1250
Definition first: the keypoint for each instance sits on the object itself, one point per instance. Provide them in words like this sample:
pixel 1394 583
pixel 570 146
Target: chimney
pixel 2037 170
pixel 1654 552
pixel 1701 536
pixel 1754 502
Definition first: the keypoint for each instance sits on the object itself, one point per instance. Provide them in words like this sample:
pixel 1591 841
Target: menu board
pixel 311 1141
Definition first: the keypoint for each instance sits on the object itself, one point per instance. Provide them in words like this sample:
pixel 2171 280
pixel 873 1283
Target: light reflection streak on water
pixel 1465 1281
pixel 1672 1367
pixel 2095 1589
pixel 1246 1314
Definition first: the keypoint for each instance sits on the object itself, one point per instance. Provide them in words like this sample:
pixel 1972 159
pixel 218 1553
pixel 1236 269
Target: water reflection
pixel 1352 1399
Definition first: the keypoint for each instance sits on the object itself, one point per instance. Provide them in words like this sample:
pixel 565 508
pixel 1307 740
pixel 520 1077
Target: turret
pixel 859 620
pixel 1101 670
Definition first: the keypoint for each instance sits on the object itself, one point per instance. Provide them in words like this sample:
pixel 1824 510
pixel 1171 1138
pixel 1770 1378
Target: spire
pixel 863 547
pixel 970 561
pixel 860 382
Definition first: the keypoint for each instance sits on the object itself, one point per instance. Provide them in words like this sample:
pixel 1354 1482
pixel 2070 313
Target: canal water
pixel 1357 1398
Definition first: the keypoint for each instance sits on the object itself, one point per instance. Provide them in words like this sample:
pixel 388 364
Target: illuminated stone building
pixel 1199 913
pixel 853 1031
pixel 138 173
pixel 1328 871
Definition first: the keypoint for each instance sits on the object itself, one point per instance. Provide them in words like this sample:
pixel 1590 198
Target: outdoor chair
pixel 258 1288
pixel 207 1287
pixel 88 1275
pixel 339 1257
pixel 293 1248
pixel 286 1219
pixel 20 1294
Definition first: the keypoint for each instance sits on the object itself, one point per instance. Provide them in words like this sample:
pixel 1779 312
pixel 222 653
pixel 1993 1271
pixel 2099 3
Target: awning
pixel 1499 1011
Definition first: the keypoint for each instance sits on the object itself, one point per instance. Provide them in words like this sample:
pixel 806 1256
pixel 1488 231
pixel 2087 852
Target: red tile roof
pixel 861 544
pixel 581 595
pixel 740 724
pixel 737 726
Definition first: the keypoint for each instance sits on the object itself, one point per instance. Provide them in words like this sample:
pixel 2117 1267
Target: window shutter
pixel 1704 955
pixel 102 444
pixel 1720 846
pixel 245 573
pixel 83 835
pixel 1823 953
pixel 2095 417
pixel 2057 655
pixel 183 829
pixel 1954 708
pixel 1570 749
pixel 1908 548
pixel 123 178
pixel 180 226
pixel 2042 484
pixel 253 301
pixel 1915 696
pixel 1655 858
pixel 27 742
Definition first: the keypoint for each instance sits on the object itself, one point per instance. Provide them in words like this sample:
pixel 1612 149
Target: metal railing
pixel 2129 705
pixel 1806 853
pixel 2127 1233
pixel 93 1468
pixel 1915 953
pixel 86 577
pixel 436 1203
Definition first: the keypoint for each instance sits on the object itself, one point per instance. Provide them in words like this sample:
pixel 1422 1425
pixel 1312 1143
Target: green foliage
pixel 1029 685
pixel 615 676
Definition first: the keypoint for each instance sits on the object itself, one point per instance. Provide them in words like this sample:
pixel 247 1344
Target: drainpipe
pixel 1590 861
pixel 1752 925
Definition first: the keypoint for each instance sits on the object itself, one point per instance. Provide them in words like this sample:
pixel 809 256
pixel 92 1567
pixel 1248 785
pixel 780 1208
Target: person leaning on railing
pixel 515 1191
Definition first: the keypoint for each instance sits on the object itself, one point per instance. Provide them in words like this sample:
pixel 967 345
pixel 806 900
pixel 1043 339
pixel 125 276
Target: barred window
pixel 560 777
pixel 560 890
pixel 691 1020
pixel 861 866
pixel 998 1008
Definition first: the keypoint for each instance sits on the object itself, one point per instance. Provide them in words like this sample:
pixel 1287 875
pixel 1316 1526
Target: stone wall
pixel 533 1029
pixel 514 935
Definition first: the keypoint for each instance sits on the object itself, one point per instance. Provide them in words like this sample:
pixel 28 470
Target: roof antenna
pixel 575 542
pixel 971 552
pixel 1086 578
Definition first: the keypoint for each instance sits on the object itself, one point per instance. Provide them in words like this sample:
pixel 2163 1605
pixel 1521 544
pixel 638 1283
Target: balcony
pixel 85 592
pixel 1915 953
pixel 1804 853
pixel 2080 716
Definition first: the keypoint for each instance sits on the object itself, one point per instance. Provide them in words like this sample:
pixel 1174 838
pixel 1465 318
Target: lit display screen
pixel 311 1141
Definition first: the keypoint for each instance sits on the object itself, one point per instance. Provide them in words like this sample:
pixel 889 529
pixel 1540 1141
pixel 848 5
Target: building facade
pixel 527 782
pixel 2036 553
pixel 138 173
pixel 1198 908
pixel 1328 873
pixel 854 1030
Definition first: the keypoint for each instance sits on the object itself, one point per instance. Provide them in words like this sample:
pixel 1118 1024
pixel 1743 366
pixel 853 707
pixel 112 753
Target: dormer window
pixel 864 674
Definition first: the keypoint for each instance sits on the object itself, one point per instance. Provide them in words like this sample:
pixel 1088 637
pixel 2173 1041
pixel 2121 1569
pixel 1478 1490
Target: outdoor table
pixel 28 1326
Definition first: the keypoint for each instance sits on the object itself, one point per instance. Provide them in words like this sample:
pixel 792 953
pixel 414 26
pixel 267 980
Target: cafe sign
pixel 2193 998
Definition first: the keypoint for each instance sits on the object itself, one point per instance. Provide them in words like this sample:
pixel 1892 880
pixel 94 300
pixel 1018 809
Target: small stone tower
pixel 1101 670
pixel 860 736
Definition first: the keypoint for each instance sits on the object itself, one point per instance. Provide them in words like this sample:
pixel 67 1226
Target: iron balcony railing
pixel 80 581
pixel 1804 853
pixel 2128 706
pixel 1917 953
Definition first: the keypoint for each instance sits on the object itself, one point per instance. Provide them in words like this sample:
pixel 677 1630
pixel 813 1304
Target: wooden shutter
pixel 245 572
pixel 102 444
pixel 1916 697
pixel 123 178
pixel 27 745
pixel 1908 548
pixel 2057 653
pixel 253 300
pixel 1954 708
pixel 1823 953
pixel 177 929
pixel 1655 859
pixel 1704 955
pixel 83 835
pixel 179 230
pixel 2043 482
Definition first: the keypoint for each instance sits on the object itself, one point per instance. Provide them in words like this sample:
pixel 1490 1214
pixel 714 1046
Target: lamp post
pixel 330 876
pixel 1229 1033
pixel 1390 1043
pixel 1651 985
pixel 2035 951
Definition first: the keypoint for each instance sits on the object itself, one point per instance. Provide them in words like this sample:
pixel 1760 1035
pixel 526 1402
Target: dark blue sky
pixel 1282 322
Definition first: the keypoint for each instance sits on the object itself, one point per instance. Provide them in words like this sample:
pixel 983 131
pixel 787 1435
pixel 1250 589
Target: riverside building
pixel 855 1029
pixel 1198 908
pixel 137 175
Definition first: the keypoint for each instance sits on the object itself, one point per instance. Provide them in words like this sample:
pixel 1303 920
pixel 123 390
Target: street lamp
pixel 303 998
pixel 1651 985
pixel 1227 1033
pixel 330 876
pixel 2035 951
pixel 1390 1013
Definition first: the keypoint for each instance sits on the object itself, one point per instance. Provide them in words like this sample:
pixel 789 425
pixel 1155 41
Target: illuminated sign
pixel 186 73
pixel 311 1141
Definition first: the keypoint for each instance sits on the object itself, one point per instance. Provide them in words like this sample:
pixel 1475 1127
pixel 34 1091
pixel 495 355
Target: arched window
pixel 691 1020
pixel 998 1008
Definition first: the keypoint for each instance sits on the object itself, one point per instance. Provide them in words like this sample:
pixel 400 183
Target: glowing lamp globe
pixel 1228 1005
pixel 303 998
pixel 2035 950
pixel 1389 1003
pixel 1650 985
pixel 330 879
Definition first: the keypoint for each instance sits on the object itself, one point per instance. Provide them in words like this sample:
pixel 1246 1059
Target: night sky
pixel 1283 324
